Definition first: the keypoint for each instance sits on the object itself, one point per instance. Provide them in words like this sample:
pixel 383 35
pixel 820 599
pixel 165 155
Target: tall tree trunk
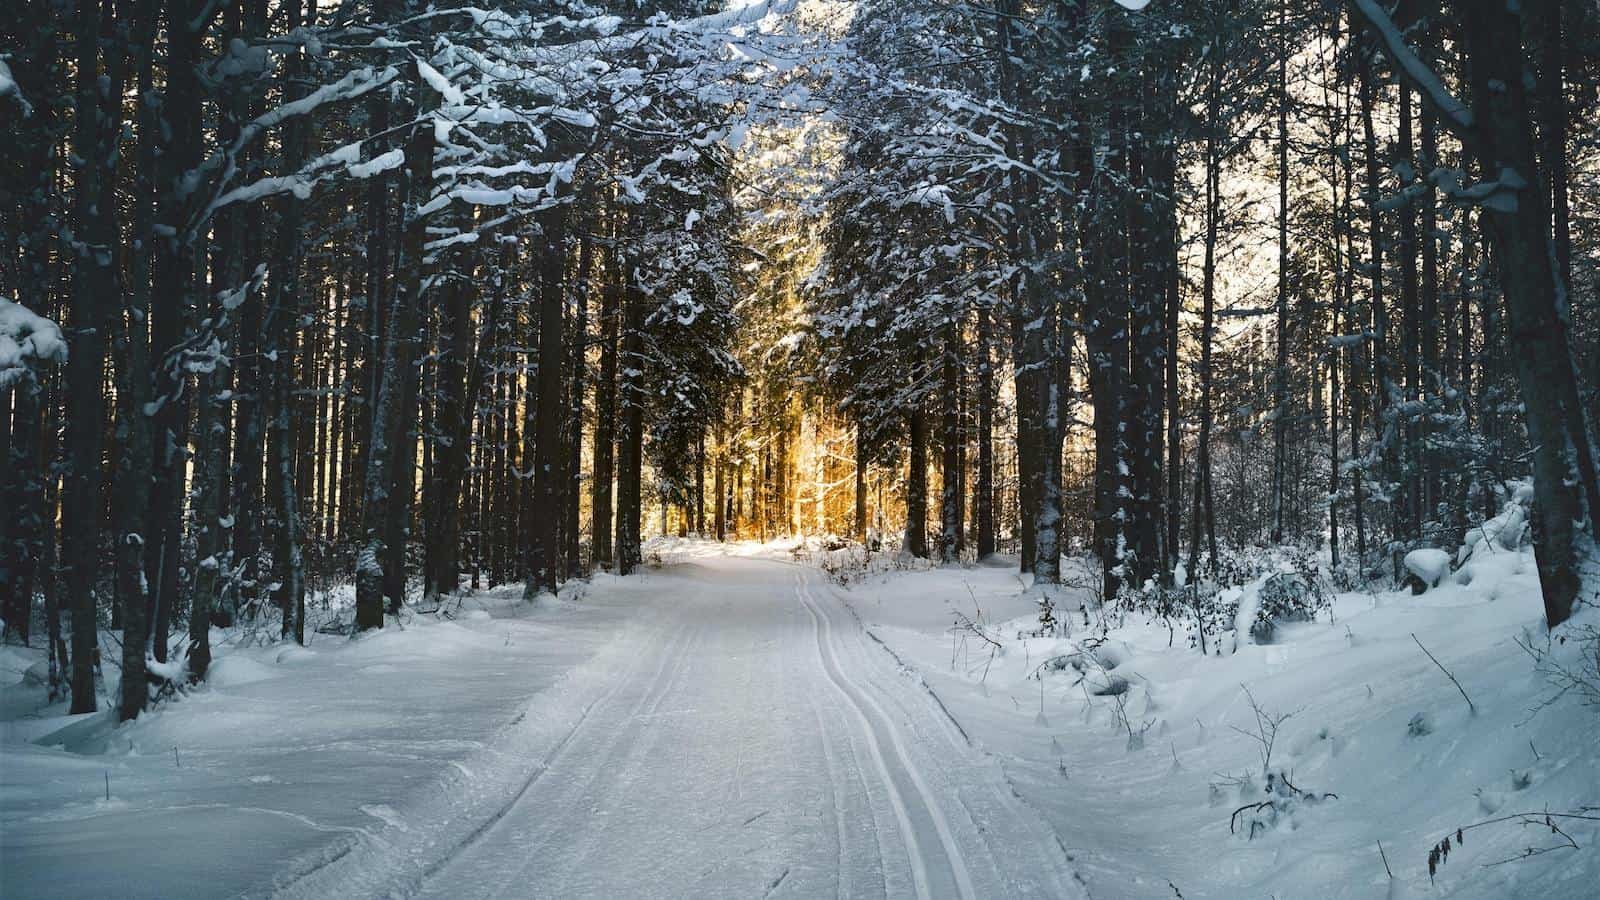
pixel 860 522
pixel 544 562
pixel 457 426
pixel 983 494
pixel 381 510
pixel 719 487
pixel 605 411
pixel 951 497
pixel 1152 167
pixel 1280 374
pixel 280 328
pixel 27 530
pixel 630 454
pixel 1382 386
pixel 578 365
pixel 1500 133
pixel 97 120
pixel 1408 517
pixel 1564 466
pixel 1203 516
pixel 916 537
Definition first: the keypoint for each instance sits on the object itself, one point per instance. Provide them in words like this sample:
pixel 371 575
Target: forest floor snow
pixel 714 727
pixel 733 723
pixel 1141 784
pixel 285 752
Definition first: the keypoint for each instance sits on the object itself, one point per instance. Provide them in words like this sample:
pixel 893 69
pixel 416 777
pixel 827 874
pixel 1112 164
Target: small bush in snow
pixel 1297 594
pixel 1256 591
pixel 1283 800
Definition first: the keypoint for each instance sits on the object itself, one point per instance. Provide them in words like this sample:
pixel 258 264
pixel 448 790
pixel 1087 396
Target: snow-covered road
pixel 743 736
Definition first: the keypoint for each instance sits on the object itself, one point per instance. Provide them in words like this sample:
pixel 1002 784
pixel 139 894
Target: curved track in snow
pixel 744 737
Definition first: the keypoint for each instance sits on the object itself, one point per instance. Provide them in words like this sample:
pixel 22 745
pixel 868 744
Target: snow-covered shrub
pixel 1295 593
pixel 847 562
pixel 1510 530
pixel 26 342
pixel 1493 543
pixel 1246 593
pixel 1283 801
pixel 1428 566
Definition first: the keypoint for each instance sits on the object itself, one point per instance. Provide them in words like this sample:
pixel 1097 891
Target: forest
pixel 320 315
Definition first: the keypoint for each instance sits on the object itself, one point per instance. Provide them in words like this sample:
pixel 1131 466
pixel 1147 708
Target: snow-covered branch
pixel 1452 112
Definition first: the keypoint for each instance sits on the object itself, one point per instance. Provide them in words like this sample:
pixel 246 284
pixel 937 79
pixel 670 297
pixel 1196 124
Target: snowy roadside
pixel 288 753
pixel 1139 751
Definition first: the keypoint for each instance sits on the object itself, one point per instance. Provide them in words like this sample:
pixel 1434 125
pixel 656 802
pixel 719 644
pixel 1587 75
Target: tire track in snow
pixel 835 788
pixel 877 724
pixel 1003 790
pixel 667 654
pixel 397 878
pixel 626 748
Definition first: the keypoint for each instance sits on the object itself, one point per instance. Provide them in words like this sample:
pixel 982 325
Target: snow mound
pixel 234 670
pixel 295 654
pixel 1429 565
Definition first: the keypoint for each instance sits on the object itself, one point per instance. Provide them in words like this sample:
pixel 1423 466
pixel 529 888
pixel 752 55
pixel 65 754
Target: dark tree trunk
pixel 1204 516
pixel 860 486
pixel 1408 517
pixel 1564 473
pixel 983 493
pixel 916 537
pixel 1382 385
pixel 630 454
pixel 578 366
pixel 544 561
pixel 452 461
pixel 25 533
pixel 719 486
pixel 383 512
pixel 95 296
pixel 952 499
pixel 280 328
pixel 605 412
pixel 1500 134
pixel 1280 373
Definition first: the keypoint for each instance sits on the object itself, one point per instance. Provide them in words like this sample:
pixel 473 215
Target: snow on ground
pixel 737 735
pixel 286 752
pixel 751 742
pixel 734 723
pixel 1143 796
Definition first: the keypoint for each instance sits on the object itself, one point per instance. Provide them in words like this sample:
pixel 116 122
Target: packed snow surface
pixel 737 734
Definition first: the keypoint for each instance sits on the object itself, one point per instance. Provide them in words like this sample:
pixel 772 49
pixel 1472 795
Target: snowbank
pixel 285 752
pixel 1277 770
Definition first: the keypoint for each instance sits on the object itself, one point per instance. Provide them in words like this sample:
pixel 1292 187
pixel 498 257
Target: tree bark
pixel 96 293
pixel 983 494
pixel 951 497
pixel 605 412
pixel 630 456
pixel 394 399
pixel 916 536
pixel 544 561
